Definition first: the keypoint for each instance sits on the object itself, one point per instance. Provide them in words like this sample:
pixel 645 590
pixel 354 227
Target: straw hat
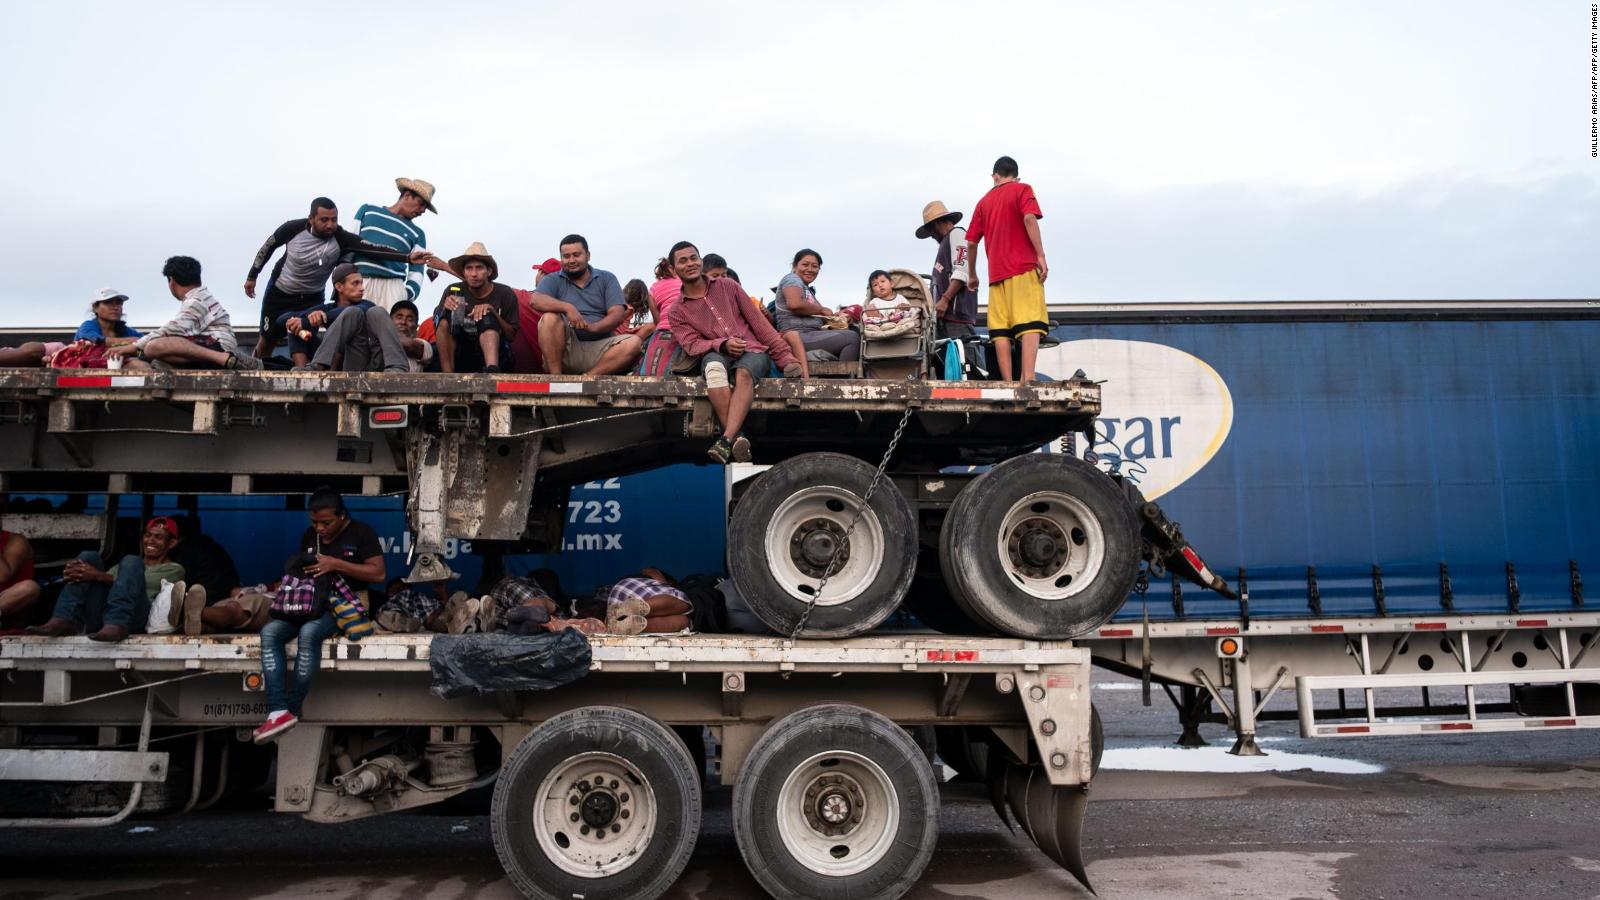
pixel 475 253
pixel 932 213
pixel 419 187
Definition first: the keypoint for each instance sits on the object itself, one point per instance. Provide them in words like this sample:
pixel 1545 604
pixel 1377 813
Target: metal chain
pixel 872 487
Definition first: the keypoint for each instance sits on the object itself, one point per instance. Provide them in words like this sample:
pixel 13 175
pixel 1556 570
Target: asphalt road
pixel 1486 816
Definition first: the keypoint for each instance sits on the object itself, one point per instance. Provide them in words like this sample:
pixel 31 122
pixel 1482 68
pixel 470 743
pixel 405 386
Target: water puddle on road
pixel 1218 759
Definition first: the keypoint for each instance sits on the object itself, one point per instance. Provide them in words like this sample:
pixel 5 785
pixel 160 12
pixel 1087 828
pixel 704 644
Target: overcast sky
pixel 1180 150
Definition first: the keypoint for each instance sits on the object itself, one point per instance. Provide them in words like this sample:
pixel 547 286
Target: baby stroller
pixel 901 348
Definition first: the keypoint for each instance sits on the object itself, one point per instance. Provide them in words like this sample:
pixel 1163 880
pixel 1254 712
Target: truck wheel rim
pixel 804 531
pixel 594 815
pixel 838 813
pixel 1051 545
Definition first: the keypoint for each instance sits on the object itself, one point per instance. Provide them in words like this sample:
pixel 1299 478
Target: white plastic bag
pixel 160 621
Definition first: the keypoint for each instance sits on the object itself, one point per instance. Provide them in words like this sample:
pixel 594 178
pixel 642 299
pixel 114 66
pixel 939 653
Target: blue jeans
pixel 308 640
pixel 124 602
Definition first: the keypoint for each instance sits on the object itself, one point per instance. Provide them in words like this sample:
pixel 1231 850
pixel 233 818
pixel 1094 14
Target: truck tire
pixel 783 534
pixel 1041 546
pixel 591 772
pixel 836 802
pixel 931 602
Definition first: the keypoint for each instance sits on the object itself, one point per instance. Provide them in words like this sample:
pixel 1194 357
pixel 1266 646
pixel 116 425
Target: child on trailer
pixel 884 306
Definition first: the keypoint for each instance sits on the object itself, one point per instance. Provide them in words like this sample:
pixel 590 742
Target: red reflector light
pixel 1326 629
pixel 1430 626
pixel 1116 632
pixel 1229 629
pixel 1455 726
pixel 1352 729
pixel 952 656
pixel 1533 623
pixel 1560 723
pixel 388 417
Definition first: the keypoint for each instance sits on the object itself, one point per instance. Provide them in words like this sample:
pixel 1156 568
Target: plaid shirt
pixel 511 592
pixel 640 588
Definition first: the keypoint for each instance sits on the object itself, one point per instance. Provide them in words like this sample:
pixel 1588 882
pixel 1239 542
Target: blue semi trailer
pixel 1362 472
pixel 1347 459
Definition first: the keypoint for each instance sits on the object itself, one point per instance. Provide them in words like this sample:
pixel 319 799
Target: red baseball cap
pixel 166 522
pixel 549 266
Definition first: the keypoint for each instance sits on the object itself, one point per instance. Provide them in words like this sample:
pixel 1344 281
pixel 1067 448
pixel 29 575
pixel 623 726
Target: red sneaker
pixel 276 724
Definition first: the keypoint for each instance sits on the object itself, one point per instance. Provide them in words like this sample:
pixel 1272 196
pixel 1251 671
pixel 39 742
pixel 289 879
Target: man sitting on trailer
pixel 18 589
pixel 118 599
pixel 419 353
pixel 476 319
pixel 200 336
pixel 737 346
pixel 363 338
pixel 587 305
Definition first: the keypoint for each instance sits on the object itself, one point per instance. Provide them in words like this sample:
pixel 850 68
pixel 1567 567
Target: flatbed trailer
pixel 832 797
pixel 594 794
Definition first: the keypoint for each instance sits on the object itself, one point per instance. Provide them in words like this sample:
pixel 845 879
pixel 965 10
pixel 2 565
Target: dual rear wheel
pixel 1041 546
pixel 833 801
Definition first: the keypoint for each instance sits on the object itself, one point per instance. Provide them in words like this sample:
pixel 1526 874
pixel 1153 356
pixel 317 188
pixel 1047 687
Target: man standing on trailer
pixel 312 247
pixel 390 281
pixel 955 284
pixel 1009 217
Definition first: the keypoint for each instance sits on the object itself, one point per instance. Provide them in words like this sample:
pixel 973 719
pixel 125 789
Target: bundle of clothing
pixel 303 597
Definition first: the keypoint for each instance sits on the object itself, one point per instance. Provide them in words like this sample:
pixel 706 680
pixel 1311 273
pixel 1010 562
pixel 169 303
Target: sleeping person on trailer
pixel 647 603
pixel 200 336
pixel 715 322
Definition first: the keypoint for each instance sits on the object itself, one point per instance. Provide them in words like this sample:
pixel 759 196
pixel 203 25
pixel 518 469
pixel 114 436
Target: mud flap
pixel 1051 816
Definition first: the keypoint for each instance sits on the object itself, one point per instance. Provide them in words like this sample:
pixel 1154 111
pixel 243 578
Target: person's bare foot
pixel 56 627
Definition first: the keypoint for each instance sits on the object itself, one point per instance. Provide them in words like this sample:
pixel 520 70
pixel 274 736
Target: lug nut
pixel 624 798
pixel 583 829
pixel 615 828
pixel 573 800
pixel 1058 760
pixel 573 817
pixel 1047 727
pixel 1036 693
pixel 624 814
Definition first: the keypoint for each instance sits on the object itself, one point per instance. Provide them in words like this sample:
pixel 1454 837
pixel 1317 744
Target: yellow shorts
pixel 1016 306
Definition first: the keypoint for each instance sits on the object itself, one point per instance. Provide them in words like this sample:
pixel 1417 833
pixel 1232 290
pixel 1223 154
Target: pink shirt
pixel 666 292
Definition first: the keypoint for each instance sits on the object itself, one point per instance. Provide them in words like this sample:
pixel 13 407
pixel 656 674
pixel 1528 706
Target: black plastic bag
pixel 466 664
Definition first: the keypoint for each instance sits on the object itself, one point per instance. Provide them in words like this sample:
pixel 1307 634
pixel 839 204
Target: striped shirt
pixel 380 226
pixel 200 314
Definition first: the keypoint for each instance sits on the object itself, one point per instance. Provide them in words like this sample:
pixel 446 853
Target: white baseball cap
pixel 105 294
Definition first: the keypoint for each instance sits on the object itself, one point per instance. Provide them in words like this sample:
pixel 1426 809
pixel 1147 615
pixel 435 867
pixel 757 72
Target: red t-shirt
pixel 529 358
pixel 998 220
